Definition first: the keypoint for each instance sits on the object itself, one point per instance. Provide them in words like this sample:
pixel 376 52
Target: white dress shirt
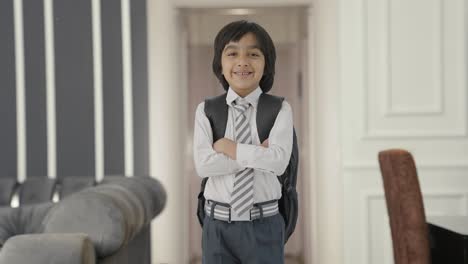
pixel 268 163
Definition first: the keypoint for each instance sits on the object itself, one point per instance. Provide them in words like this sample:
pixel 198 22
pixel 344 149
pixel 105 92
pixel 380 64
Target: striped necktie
pixel 242 195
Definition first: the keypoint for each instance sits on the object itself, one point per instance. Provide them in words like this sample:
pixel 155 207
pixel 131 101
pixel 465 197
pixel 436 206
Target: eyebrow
pixel 234 46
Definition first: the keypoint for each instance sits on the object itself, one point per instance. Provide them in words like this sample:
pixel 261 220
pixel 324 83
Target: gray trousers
pixel 241 242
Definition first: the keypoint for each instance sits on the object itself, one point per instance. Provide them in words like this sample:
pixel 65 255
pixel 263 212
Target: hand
pixel 218 146
pixel 226 146
pixel 265 143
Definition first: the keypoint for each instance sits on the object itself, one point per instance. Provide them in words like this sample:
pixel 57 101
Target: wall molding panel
pixel 435 105
pixel 378 245
pixel 369 165
pixel 403 57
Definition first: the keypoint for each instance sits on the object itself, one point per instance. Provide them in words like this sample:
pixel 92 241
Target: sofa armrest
pixel 111 214
pixel 48 249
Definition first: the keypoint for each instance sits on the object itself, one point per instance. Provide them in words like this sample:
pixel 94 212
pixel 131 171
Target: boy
pixel 242 222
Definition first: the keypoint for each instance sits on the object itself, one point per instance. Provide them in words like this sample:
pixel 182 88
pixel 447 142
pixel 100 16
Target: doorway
pixel 288 29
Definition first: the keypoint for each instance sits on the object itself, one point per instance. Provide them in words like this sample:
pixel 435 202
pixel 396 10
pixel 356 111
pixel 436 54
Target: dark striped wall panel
pixel 74 88
pixel 140 87
pixel 140 93
pixel 35 88
pixel 112 87
pixel 8 151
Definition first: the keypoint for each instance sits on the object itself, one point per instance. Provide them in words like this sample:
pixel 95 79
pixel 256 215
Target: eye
pixel 255 53
pixel 231 54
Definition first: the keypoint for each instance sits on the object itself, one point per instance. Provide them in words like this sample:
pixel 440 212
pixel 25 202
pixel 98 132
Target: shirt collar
pixel 252 97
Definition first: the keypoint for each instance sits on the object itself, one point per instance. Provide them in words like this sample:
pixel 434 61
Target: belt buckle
pixel 214 204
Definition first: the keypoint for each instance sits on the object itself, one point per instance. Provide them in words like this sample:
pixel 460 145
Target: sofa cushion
pixel 7 187
pixel 36 190
pixel 7 224
pixel 22 220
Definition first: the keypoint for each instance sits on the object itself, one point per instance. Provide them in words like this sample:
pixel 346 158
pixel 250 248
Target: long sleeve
pixel 276 157
pixel 207 161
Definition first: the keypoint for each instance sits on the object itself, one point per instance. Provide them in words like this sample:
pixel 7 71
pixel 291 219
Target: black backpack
pixel 268 108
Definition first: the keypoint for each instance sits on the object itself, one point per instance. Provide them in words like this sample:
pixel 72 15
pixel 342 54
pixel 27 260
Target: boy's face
pixel 243 64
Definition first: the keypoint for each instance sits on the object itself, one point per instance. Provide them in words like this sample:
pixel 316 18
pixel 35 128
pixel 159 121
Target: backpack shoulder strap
pixel 294 161
pixel 216 110
pixel 267 110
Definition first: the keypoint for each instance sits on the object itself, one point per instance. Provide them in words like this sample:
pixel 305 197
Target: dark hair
pixel 234 31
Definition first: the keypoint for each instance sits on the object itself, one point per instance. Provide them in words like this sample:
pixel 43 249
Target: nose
pixel 243 61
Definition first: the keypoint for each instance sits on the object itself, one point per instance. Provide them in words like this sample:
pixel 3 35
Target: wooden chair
pixel 405 207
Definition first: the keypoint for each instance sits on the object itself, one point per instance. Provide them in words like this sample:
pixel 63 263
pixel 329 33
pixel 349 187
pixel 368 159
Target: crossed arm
pixel 229 147
pixel 224 156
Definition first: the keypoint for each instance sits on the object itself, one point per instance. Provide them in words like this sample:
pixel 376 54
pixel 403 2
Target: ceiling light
pixel 240 11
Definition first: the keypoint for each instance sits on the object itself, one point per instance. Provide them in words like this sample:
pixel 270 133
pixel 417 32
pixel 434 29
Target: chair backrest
pixel 405 207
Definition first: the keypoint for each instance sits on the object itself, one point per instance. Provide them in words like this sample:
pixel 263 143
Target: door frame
pixel 166 68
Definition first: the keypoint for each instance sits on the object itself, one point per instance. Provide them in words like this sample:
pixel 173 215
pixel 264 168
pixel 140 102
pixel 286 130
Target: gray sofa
pixel 105 223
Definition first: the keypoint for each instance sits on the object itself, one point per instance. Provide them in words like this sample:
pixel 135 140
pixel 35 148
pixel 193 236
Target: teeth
pixel 242 73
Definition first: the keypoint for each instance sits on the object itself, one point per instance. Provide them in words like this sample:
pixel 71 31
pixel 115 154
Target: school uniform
pixel 256 236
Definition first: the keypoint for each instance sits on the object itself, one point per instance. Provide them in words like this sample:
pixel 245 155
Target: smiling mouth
pixel 242 74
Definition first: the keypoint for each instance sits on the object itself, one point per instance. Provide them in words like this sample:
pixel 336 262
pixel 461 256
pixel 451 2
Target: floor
pixel 288 260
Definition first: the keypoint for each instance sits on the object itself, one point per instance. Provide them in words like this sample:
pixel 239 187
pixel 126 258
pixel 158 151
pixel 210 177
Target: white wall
pixel 169 240
pixel 403 84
